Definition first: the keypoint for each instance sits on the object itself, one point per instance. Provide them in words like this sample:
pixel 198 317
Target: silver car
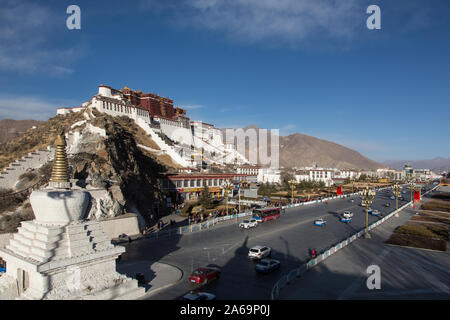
pixel 259 252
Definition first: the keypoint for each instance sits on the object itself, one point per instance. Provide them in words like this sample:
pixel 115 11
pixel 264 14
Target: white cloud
pixel 26 33
pixel 290 21
pixel 34 108
pixel 191 106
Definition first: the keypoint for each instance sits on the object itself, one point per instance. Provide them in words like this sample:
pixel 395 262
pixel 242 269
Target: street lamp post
pixel 239 201
pixel 292 185
pixel 396 190
pixel 411 188
pixel 367 196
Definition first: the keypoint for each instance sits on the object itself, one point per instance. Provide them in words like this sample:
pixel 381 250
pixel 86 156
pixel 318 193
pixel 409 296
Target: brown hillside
pixel 303 150
pixel 299 150
pixel 10 129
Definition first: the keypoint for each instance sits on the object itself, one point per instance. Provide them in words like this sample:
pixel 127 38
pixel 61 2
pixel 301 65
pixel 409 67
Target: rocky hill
pixel 300 150
pixel 109 156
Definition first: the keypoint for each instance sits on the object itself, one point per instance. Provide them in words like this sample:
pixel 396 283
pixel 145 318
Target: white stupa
pixel 59 255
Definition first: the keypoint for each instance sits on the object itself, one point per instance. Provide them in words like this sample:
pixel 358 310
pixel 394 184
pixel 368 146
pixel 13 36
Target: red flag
pixel 339 190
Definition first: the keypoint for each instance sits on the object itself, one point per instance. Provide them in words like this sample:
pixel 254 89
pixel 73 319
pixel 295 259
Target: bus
pixel 266 214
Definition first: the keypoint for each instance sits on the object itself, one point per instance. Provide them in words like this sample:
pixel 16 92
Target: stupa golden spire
pixel 60 172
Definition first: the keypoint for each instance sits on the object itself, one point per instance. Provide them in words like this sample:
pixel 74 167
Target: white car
pixel 320 222
pixel 259 252
pixel 347 214
pixel 246 224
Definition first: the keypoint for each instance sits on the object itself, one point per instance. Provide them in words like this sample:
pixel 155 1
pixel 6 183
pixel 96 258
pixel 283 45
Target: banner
pixel 417 196
pixel 339 190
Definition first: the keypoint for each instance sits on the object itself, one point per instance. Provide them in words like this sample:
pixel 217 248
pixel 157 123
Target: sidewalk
pixel 158 276
pixel 406 273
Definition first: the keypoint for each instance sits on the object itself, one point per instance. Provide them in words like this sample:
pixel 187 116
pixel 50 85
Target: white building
pixel 196 141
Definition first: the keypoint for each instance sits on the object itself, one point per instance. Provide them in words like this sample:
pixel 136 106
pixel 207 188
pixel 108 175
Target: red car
pixel 204 275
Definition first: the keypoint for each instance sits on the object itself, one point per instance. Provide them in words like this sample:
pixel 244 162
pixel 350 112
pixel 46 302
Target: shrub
pixel 10 200
pixel 28 175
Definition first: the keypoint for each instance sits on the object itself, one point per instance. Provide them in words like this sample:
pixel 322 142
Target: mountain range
pixel 437 164
pixel 300 150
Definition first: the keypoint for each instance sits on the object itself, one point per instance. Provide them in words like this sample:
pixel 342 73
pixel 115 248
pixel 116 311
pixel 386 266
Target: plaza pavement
pixel 158 276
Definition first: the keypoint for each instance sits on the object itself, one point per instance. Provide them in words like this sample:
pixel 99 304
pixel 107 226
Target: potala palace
pixel 188 143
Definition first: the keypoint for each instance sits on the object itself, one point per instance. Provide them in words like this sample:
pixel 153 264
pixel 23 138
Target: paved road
pixel 405 273
pixel 290 237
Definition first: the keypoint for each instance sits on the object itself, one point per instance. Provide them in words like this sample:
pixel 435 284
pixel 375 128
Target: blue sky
pixel 297 65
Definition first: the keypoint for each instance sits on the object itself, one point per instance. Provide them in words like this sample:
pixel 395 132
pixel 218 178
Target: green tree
pixel 206 199
pixel 285 178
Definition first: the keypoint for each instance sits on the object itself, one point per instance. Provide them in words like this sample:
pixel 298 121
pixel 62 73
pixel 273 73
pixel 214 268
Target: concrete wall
pixel 162 145
pixel 4 239
pixel 117 226
pixel 176 133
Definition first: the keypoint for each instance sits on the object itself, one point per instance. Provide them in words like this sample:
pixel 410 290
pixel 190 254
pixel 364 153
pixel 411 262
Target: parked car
pixel 320 222
pixel 347 214
pixel 259 252
pixel 246 224
pixel 199 296
pixel 267 265
pixel 204 275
